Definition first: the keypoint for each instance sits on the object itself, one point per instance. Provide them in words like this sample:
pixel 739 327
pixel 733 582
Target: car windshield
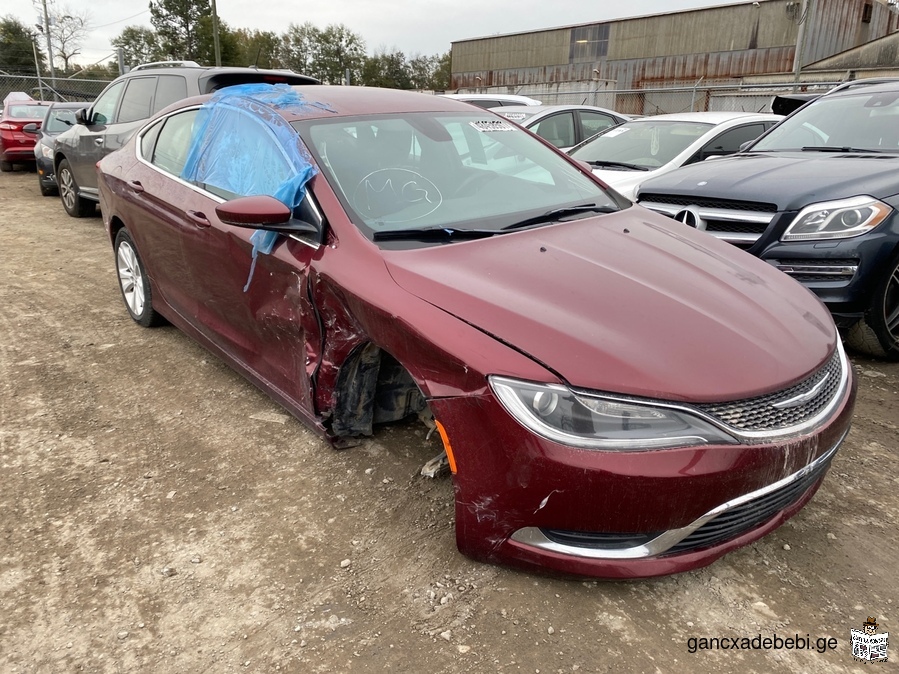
pixel 643 144
pixel 59 120
pixel 459 171
pixel 852 122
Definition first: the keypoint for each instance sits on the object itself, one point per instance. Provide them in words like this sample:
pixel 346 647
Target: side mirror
pixel 585 165
pixel 33 128
pixel 262 212
pixel 81 116
pixel 745 146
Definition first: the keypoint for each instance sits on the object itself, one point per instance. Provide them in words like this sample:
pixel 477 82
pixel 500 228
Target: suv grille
pixel 785 408
pixel 701 202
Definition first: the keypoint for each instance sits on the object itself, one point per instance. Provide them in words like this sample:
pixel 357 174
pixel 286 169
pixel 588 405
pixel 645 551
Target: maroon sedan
pixel 618 395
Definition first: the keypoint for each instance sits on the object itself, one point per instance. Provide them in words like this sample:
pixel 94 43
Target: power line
pixel 127 18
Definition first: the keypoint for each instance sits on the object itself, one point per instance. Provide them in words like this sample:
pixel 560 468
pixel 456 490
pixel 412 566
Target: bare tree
pixel 68 30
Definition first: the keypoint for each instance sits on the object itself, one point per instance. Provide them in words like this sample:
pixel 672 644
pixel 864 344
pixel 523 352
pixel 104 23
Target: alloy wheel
pixel 130 278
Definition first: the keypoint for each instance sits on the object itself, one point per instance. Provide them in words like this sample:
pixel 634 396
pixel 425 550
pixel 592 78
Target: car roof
pixel 711 117
pixel 342 101
pixel 198 71
pixel 523 100
pixel 877 85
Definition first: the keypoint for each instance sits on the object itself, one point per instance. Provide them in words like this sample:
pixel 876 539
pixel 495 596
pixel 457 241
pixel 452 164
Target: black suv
pixel 123 107
pixel 817 197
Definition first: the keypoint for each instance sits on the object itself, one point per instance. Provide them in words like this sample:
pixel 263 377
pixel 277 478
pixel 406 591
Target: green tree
pixel 340 50
pixel 258 47
pixel 299 49
pixel 421 70
pixel 229 45
pixel 178 25
pixel 16 48
pixel 443 72
pixel 386 69
pixel 139 45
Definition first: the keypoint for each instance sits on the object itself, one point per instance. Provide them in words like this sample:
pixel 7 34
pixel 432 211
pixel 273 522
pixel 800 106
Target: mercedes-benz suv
pixel 817 197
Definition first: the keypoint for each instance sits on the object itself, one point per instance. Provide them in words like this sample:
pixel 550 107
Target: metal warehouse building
pixel 718 48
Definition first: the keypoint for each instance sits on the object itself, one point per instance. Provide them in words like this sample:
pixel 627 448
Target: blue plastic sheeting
pixel 241 144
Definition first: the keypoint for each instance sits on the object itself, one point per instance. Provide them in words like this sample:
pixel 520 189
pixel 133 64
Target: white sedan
pixel 625 156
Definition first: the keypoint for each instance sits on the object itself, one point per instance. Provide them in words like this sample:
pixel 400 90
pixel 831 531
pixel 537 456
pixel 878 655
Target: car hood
pixel 629 303
pixel 791 180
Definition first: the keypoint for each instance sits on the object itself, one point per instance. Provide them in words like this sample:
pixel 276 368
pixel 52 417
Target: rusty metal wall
pixel 717 29
pixel 717 44
pixel 871 55
pixel 836 25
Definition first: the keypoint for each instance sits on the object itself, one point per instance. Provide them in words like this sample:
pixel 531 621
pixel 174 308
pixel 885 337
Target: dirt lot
pixel 159 514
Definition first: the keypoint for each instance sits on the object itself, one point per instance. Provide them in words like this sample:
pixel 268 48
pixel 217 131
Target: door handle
pixel 199 219
pixel 98 141
pixel 135 185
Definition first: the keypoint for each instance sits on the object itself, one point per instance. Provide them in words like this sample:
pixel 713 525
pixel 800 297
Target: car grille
pixel 818 270
pixel 737 521
pixel 774 411
pixel 701 202
pixel 738 222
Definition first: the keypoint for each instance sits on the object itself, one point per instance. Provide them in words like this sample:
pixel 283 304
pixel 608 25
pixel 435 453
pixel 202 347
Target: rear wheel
pixel 877 334
pixel 133 282
pixel 5 166
pixel 75 205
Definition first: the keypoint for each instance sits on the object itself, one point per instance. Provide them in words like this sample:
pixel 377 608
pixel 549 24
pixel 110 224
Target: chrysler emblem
pixel 690 217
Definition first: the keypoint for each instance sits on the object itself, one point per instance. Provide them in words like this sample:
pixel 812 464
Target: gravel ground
pixel 162 515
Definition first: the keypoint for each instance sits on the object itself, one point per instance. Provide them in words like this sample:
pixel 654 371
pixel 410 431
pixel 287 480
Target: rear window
pixel 22 111
pixel 217 81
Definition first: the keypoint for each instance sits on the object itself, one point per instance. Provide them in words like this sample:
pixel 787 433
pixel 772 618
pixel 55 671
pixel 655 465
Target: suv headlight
pixel 837 219
pixel 559 414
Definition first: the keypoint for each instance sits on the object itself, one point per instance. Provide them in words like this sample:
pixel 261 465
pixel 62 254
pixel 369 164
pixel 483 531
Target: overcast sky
pixel 412 26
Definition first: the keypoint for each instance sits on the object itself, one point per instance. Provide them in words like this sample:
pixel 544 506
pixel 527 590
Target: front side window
pixel 730 141
pixel 105 106
pixel 447 170
pixel 59 120
pixel 594 122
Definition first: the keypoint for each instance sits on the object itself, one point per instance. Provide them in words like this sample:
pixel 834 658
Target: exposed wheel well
pixel 373 388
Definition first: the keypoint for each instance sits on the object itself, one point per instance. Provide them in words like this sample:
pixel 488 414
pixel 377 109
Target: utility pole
pixel 804 15
pixel 49 43
pixel 215 35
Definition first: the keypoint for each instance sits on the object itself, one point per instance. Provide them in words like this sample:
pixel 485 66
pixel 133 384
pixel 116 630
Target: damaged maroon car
pixel 618 395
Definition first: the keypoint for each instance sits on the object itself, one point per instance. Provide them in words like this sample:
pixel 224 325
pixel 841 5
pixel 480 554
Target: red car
pixel 618 395
pixel 16 146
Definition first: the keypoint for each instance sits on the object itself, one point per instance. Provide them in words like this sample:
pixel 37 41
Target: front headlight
pixel 559 414
pixel 837 219
pixel 47 152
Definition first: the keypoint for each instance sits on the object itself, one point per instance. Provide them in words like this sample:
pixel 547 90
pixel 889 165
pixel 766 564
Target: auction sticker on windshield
pixel 492 125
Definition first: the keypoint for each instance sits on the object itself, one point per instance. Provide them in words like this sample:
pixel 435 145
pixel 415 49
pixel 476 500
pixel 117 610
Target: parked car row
pixel 618 394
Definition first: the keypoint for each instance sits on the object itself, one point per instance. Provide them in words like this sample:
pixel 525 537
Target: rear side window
pixel 173 142
pixel 138 99
pixel 171 88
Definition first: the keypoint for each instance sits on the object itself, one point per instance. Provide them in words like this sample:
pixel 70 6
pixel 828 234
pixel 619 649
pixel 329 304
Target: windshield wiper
pixel 433 234
pixel 834 148
pixel 557 214
pixel 620 164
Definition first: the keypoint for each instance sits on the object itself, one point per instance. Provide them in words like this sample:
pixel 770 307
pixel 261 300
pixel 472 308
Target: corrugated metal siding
pixel 836 26
pixel 716 44
pixel 871 55
pixel 709 30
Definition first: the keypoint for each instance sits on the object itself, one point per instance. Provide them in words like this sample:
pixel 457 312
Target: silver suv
pixel 123 107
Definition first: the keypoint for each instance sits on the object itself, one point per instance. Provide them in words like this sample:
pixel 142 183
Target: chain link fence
pixel 52 88
pixel 656 101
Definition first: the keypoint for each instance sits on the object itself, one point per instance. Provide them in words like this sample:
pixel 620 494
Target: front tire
pixel 134 283
pixel 877 334
pixel 75 205
pixel 5 166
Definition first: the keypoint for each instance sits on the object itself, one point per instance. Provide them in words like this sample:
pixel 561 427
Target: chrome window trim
pixel 534 537
pixel 846 271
